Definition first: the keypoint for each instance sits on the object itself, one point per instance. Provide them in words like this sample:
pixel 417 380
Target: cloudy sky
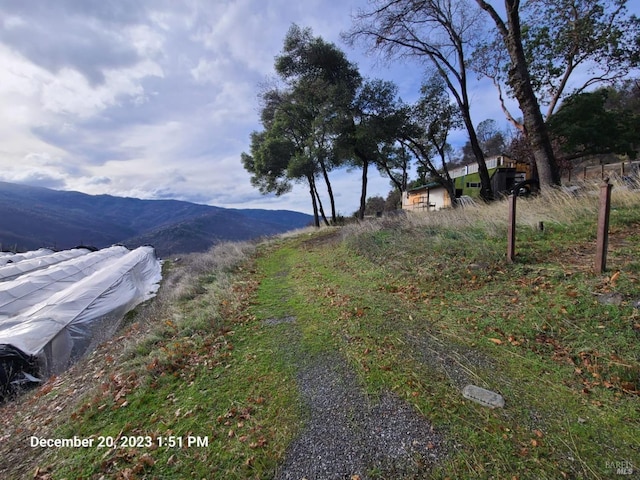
pixel 157 98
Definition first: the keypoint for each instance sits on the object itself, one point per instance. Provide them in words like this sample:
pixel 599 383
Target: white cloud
pixel 211 71
pixel 155 98
pixel 69 93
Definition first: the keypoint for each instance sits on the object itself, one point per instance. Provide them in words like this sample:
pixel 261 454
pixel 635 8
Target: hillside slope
pixel 344 353
pixel 34 217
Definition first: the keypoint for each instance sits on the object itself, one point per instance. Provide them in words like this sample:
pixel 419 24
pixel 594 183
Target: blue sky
pixel 157 98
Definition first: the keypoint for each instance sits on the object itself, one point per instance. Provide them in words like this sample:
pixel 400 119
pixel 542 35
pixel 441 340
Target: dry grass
pixel 183 278
pixel 39 412
pixel 560 206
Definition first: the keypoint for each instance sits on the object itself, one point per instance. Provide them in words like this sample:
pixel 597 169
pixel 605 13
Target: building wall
pixel 503 171
pixel 439 197
pixel 427 199
pixel 416 200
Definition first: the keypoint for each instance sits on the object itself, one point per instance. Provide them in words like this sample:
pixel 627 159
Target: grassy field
pixel 202 382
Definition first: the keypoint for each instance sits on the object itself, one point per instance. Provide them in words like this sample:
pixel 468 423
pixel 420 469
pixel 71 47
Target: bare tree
pixel 519 80
pixel 441 32
pixel 570 46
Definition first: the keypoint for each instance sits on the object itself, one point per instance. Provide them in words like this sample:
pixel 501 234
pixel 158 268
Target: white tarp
pixel 8 257
pixel 61 327
pixel 29 289
pixel 30 264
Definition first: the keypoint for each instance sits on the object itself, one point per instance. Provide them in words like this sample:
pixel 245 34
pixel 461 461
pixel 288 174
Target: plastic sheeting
pixel 22 266
pixel 45 337
pixel 32 288
pixel 8 257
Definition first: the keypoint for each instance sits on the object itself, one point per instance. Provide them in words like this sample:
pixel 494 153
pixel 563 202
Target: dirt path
pixel 347 434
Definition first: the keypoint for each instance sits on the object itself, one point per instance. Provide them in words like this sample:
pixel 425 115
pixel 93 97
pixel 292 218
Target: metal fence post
pixel 603 226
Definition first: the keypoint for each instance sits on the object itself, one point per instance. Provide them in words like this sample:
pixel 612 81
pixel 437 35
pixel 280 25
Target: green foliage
pixel 563 35
pixel 268 162
pixel 570 45
pixel 585 126
pixel 378 117
pixel 374 205
pixel 302 119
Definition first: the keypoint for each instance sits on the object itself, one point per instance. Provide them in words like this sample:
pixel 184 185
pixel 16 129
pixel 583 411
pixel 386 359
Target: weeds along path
pixel 345 431
pixel 414 316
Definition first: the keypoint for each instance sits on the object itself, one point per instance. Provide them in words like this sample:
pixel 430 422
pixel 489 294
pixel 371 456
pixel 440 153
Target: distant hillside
pixel 34 217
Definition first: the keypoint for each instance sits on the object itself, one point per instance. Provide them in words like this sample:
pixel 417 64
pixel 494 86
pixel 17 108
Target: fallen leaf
pixel 260 443
pixel 497 341
pixel 614 277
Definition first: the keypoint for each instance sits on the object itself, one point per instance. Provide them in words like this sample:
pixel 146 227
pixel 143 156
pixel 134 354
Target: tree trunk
pixel 520 81
pixel 363 191
pixel 401 186
pixel 320 207
pixel 486 192
pixel 316 219
pixel 449 183
pixel 325 174
pixel 462 99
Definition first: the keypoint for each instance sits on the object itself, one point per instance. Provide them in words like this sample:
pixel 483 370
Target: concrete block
pixel 483 396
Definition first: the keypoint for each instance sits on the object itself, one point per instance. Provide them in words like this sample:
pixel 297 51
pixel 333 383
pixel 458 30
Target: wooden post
pixel 511 229
pixel 603 226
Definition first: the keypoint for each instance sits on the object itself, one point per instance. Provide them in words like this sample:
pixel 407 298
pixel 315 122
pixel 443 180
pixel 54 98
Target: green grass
pixel 416 308
pixel 226 386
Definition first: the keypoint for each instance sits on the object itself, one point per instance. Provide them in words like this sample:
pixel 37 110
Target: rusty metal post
pixel 511 229
pixel 603 226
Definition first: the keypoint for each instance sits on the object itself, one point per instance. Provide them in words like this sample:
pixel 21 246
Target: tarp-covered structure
pixel 55 306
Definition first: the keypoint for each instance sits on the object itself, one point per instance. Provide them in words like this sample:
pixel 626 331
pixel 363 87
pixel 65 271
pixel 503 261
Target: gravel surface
pixel 349 436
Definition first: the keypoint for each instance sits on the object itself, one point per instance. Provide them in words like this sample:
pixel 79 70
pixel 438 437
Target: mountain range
pixel 34 217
